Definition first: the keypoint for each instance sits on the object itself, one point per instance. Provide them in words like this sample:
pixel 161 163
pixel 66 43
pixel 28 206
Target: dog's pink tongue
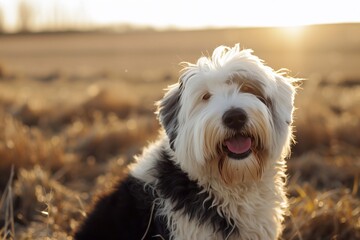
pixel 238 144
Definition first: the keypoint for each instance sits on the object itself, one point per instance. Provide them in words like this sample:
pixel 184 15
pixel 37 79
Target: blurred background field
pixel 75 107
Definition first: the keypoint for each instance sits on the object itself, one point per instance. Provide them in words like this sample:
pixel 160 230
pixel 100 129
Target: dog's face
pixel 229 116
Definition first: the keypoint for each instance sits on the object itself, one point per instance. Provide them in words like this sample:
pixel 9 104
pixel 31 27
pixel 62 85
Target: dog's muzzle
pixel 238 146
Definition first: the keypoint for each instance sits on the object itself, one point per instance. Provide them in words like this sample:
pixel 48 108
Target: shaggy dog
pixel 218 169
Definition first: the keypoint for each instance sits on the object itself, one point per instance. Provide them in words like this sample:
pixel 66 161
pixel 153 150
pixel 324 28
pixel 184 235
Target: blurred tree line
pixel 55 16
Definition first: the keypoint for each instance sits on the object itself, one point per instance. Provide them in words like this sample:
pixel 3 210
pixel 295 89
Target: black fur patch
pixel 169 108
pixel 188 196
pixel 124 214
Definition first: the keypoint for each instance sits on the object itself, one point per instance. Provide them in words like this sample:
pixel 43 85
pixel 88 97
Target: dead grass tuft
pixel 7 230
pixel 42 199
pixel 315 214
pixel 23 146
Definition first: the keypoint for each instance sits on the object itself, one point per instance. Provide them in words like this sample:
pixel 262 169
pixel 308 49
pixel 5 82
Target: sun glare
pixel 293 31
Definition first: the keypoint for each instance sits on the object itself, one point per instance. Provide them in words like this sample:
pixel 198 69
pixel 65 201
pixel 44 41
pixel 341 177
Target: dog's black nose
pixel 234 118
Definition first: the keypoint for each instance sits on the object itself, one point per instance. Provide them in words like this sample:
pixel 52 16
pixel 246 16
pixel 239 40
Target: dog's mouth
pixel 238 146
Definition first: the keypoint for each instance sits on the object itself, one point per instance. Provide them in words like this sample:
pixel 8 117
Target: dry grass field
pixel 75 108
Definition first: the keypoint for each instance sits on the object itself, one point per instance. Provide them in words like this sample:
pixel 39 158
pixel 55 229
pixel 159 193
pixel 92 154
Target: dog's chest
pixel 203 216
pixel 246 223
pixel 181 227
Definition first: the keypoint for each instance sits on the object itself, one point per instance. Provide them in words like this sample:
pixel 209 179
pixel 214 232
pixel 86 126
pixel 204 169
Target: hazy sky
pixel 198 13
pixel 192 13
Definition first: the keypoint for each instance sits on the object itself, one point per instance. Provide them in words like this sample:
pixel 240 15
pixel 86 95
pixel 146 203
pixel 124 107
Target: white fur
pixel 250 191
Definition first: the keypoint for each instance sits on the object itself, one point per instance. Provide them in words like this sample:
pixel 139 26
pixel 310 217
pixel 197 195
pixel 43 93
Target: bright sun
pixel 293 31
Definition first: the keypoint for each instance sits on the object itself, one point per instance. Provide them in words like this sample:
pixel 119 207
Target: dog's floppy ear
pixel 168 109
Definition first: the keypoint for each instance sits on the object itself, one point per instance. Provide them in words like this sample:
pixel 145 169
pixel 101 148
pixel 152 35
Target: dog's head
pixel 229 115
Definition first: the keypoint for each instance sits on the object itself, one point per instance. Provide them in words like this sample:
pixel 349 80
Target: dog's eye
pixel 206 96
pixel 254 91
pixel 262 100
pixel 249 89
